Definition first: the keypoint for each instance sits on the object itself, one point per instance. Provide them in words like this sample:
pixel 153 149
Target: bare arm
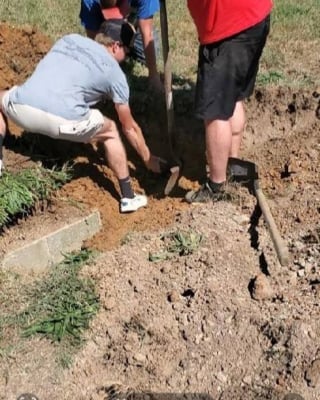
pixel 135 137
pixel 146 28
pixel 133 132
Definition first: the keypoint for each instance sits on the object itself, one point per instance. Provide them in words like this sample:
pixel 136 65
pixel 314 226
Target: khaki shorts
pixel 37 121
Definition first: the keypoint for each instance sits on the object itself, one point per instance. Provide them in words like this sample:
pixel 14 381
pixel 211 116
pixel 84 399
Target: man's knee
pixel 238 119
pixel 109 130
pixel 2 94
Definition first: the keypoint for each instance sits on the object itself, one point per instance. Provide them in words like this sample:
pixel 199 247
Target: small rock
pixel 241 219
pixel 300 273
pixel 247 380
pixel 174 296
pixel 198 338
pixel 312 375
pixel 292 279
pixel 109 303
pixel 312 335
pixel 261 289
pixel 299 245
pixel 165 269
pixel 221 377
pixel 139 358
pixel 281 381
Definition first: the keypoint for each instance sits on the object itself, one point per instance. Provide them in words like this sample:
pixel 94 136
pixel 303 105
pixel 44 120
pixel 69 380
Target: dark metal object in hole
pixel 27 396
pixel 293 396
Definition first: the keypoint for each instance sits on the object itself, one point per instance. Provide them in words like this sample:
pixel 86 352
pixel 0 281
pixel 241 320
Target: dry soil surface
pixel 227 320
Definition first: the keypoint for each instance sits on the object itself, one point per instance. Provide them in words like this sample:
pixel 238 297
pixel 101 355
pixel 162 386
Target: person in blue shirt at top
pixel 94 12
pixel 59 98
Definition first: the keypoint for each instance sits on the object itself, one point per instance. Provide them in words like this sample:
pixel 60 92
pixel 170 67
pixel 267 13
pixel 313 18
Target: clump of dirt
pixel 194 323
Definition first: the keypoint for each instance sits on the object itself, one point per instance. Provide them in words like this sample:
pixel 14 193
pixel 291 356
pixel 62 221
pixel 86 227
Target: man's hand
pixel 157 165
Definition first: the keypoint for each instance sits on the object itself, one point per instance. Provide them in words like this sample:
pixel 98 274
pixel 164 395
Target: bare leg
pixel 114 150
pixel 117 159
pixel 218 145
pixel 223 139
pixel 238 121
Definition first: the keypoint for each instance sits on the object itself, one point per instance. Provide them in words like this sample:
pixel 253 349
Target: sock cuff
pixel 124 180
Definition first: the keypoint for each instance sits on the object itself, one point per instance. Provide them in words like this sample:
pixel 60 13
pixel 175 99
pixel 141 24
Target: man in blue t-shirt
pixel 94 12
pixel 57 100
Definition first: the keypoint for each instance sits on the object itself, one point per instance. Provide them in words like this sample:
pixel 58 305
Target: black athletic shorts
pixel 227 71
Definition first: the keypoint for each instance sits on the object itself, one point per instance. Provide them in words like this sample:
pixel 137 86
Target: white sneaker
pixel 129 205
pixel 1 166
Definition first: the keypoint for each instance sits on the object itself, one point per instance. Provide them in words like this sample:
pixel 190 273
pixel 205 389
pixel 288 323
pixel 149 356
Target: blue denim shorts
pixel 137 53
pixel 90 14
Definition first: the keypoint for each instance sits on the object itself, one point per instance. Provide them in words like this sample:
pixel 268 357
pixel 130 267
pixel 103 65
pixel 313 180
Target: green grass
pixel 20 192
pixel 55 17
pixel 181 243
pixel 296 20
pixel 58 306
pixel 295 35
pixel 290 57
pixel 63 304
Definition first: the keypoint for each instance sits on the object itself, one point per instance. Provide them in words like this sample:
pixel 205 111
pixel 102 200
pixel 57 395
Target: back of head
pixel 116 30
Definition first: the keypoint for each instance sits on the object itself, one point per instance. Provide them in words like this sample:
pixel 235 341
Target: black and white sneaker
pixel 206 194
pixel 130 205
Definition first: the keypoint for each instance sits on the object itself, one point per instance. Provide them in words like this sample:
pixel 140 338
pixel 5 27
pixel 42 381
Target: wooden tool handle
pixel 167 69
pixel 279 245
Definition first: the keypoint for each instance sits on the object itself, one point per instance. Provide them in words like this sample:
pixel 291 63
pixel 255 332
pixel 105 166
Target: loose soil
pixel 227 320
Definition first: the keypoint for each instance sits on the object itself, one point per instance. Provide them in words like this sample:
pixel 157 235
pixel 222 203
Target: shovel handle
pixel 279 245
pixel 167 65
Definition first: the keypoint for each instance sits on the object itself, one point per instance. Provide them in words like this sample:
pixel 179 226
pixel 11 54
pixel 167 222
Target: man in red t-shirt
pixel 232 36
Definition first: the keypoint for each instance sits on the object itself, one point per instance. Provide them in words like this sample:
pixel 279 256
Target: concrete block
pixel 33 257
pixel 50 249
pixel 71 237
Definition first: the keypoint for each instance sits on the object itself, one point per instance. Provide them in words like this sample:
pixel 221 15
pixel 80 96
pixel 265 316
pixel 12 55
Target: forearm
pixel 146 28
pixel 150 55
pixel 135 137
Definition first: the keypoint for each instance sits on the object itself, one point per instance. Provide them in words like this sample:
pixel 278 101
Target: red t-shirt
pixel 121 10
pixel 218 19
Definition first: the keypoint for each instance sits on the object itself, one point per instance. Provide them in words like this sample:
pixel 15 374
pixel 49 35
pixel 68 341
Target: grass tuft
pixel 180 242
pixel 20 192
pixel 63 304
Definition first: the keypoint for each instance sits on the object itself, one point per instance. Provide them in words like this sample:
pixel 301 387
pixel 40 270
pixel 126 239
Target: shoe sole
pixel 128 210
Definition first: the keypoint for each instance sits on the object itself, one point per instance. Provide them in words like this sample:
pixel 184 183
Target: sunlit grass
pixel 294 36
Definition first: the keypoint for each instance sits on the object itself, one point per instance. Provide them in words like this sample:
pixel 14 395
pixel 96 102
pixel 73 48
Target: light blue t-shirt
pixel 76 74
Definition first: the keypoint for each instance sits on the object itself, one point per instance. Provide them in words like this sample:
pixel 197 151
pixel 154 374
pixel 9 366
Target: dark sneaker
pixel 206 194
